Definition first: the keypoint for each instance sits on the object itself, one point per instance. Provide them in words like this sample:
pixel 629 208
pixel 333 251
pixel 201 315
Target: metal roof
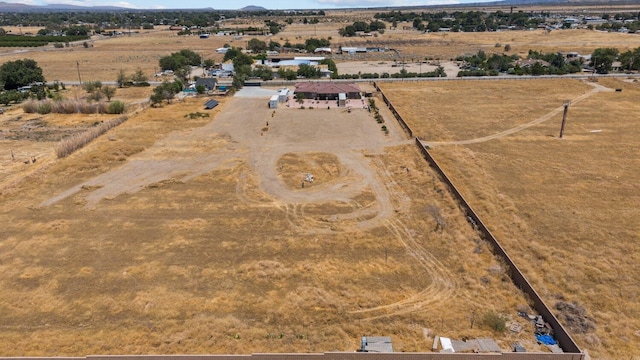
pixel 210 104
pixel 327 87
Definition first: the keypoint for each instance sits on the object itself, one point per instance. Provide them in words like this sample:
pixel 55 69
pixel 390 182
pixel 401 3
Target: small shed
pixel 381 344
pixel 210 104
pixel 342 99
pixel 283 94
pixel 273 102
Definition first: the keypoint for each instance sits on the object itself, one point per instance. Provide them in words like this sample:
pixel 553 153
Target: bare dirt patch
pixel 311 169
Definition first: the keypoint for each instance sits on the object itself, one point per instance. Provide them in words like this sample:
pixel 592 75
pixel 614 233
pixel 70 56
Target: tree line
pixel 131 17
pixel 467 21
pixel 35 41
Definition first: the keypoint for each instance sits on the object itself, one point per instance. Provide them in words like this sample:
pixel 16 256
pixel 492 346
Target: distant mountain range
pixel 16 7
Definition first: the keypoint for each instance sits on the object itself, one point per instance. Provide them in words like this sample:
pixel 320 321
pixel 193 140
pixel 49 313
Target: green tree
pixel 287 74
pixel 77 31
pixel 331 65
pixel 242 59
pixel 263 72
pixel 14 74
pixel 602 59
pixel 274 45
pixel 630 59
pixel 191 57
pixel 377 26
pixel 109 92
pixel 180 59
pixel 313 43
pixel 308 71
pixel 165 91
pixel 257 46
pixel 122 78
pixel 231 54
pixel 209 63
pixel 139 76
pixel 172 62
pixel 348 31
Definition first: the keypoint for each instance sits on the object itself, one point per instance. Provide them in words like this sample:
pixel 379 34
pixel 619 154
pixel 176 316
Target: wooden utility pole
pixel 564 117
pixel 79 78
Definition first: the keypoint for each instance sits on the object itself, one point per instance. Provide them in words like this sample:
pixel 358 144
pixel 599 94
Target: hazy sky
pixel 237 4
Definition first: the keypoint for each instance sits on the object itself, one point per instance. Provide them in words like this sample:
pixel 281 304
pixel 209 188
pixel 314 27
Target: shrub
pixel 91 86
pixel 196 114
pixel 70 106
pixel 116 107
pixel 30 107
pixel 495 321
pixel 44 107
pixel 86 108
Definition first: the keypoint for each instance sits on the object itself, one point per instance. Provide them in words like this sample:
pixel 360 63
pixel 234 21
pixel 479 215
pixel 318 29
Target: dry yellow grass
pixel 498 105
pixel 209 266
pixel 565 209
pixel 215 264
pixel 293 169
pixel 107 56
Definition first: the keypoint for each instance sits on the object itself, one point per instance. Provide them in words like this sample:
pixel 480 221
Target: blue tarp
pixel 546 339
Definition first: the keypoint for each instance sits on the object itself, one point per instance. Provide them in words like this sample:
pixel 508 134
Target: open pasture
pixel 565 209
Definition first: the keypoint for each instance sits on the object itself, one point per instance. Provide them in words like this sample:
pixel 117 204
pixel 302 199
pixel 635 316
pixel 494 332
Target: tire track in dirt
pixel 597 88
pixel 441 289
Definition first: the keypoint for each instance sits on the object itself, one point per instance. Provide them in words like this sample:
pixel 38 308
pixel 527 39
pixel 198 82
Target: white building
pixel 273 102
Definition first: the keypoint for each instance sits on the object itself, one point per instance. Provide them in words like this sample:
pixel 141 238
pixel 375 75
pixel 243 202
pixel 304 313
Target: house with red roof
pixel 328 90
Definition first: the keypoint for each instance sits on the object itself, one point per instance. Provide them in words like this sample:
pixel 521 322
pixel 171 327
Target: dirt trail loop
pixel 442 288
pixel 238 135
pixel 241 135
pixel 596 89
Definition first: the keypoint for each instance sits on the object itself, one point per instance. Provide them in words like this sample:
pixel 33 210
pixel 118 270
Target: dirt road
pixel 596 89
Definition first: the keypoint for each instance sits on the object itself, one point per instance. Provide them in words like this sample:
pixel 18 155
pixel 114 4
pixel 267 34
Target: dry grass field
pixel 25 136
pixel 187 236
pixel 565 209
pixel 178 235
pixel 106 56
